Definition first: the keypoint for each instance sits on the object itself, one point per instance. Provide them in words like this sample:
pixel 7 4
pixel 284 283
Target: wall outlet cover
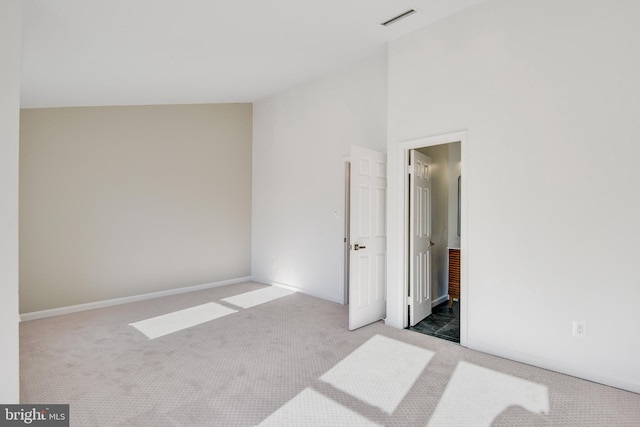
pixel 579 329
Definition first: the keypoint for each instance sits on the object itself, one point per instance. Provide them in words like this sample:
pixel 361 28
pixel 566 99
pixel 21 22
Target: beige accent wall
pixel 120 201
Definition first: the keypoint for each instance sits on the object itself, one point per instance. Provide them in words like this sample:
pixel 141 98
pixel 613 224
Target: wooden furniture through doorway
pixel 454 275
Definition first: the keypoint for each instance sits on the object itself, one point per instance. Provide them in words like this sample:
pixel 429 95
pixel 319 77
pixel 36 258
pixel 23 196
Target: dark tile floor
pixel 444 322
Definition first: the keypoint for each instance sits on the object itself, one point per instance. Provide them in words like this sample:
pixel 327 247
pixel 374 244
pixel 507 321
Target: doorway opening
pixel 433 208
pixel 378 286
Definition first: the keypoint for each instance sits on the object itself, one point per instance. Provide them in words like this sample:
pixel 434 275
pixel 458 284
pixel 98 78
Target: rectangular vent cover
pixel 399 17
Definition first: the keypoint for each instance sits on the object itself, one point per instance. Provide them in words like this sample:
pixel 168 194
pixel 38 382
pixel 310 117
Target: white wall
pixel 122 201
pixel 300 140
pixel 10 18
pixel 549 93
pixel 455 171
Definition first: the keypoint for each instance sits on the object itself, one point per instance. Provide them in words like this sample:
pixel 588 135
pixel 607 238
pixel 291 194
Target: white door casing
pixel 368 237
pixel 397 315
pixel 419 238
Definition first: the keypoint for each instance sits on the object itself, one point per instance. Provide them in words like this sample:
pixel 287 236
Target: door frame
pixel 398 229
pixel 346 256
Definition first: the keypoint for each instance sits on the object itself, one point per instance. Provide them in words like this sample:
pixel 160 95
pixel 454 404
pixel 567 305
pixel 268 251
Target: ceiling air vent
pixel 399 17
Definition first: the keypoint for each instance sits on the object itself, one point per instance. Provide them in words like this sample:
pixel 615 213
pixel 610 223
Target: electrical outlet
pixel 579 329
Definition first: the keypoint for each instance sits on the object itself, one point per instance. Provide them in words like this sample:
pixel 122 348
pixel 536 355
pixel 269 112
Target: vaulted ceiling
pixel 124 52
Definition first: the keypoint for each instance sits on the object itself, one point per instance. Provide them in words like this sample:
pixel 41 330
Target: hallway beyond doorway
pixel 442 323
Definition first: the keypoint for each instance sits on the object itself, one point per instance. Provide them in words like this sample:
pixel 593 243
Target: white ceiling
pixel 128 52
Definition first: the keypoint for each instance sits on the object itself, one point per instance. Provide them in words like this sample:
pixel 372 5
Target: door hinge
pixel 409 300
pixel 410 169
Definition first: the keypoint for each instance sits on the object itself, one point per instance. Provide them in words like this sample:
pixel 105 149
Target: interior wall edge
pixel 300 290
pixel 554 365
pixel 125 300
pixel 440 300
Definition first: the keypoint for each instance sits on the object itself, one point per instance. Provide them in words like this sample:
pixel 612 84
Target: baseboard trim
pixel 124 300
pixel 440 300
pixel 295 289
pixel 554 365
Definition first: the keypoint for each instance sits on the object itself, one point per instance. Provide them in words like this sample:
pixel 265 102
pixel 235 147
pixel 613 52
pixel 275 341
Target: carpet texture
pixel 278 362
pixel 182 319
pixel 257 297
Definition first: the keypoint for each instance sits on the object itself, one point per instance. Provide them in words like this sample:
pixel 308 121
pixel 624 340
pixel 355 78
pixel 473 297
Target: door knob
pixel 357 246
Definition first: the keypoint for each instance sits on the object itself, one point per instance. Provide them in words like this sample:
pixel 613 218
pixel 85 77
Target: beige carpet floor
pixel 289 361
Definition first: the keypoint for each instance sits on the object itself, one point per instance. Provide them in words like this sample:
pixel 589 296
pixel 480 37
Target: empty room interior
pixel 339 213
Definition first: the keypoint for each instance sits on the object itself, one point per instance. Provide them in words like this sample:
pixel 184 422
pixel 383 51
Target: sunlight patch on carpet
pixel 475 396
pixel 380 372
pixel 310 408
pixel 257 297
pixel 178 320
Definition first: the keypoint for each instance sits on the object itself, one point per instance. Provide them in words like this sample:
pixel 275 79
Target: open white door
pixel 368 237
pixel 419 238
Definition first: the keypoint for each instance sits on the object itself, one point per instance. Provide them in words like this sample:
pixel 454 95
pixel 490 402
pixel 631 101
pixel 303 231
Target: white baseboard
pixel 124 300
pixel 392 323
pixel 296 289
pixel 554 365
pixel 440 300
